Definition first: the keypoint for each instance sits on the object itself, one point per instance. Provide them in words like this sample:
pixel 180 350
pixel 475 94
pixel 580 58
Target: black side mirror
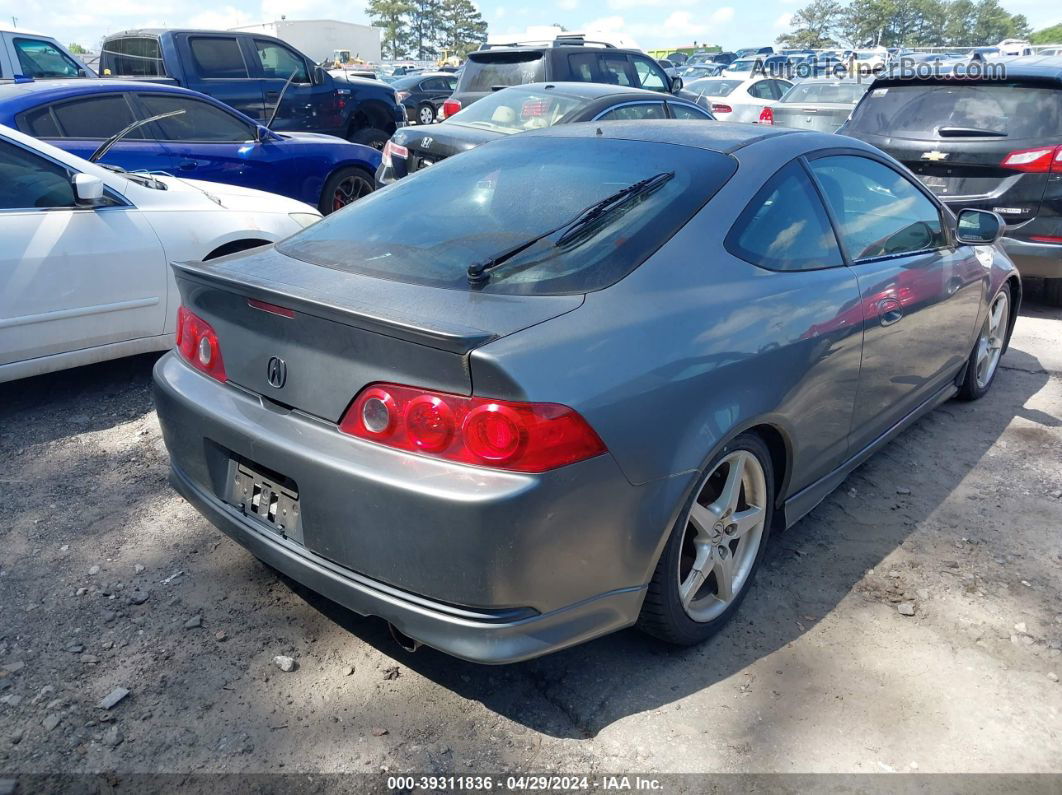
pixel 676 84
pixel 979 227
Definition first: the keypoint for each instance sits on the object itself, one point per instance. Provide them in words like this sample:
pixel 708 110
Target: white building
pixel 318 38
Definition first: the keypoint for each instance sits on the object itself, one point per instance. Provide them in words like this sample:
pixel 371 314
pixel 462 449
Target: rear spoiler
pixel 444 335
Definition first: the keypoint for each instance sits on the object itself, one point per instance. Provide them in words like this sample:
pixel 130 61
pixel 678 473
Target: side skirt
pixel 797 506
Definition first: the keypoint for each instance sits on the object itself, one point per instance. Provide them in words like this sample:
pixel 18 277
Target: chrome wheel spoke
pixel 703 520
pixel 727 501
pixel 724 569
pixel 744 521
pixel 990 343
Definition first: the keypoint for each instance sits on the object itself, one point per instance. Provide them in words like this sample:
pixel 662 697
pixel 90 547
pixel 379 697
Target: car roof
pixel 723 137
pixel 1046 68
pixel 38 91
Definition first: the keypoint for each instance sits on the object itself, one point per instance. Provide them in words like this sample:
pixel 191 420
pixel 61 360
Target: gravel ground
pixel 911 622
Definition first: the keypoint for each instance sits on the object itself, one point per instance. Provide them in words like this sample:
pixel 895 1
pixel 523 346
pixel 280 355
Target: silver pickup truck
pixel 25 54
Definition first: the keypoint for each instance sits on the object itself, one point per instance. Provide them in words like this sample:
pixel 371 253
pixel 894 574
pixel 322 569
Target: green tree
pixel 392 16
pixel 960 24
pixel 1051 35
pixel 461 27
pixel 424 28
pixel 814 25
pixel 77 49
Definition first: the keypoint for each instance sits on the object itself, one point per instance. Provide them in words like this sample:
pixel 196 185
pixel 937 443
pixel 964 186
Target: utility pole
pixel 14 22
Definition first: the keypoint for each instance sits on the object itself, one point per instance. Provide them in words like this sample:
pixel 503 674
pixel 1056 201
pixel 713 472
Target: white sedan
pixel 737 98
pixel 84 265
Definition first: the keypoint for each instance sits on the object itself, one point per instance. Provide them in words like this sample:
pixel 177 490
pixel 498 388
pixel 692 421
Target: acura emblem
pixel 276 372
pixel 934 155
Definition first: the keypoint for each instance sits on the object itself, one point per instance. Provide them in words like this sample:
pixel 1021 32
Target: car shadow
pixel 808 570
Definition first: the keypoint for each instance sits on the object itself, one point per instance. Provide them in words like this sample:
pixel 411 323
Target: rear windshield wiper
pixel 969 132
pixel 480 272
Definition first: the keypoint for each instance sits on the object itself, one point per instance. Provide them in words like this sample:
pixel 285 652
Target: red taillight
pixel 521 437
pixel 766 116
pixel 392 149
pixel 198 344
pixel 450 107
pixel 401 95
pixel 719 107
pixel 1037 160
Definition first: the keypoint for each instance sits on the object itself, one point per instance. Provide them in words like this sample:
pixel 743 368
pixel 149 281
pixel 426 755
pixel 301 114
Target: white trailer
pixel 319 38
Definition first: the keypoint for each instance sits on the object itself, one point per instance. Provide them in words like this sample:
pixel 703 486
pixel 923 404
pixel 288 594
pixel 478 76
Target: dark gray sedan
pixel 581 391
pixel 822 104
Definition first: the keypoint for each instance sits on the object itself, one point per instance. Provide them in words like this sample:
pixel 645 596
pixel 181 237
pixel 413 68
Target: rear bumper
pixel 434 624
pixel 1039 260
pixel 488 566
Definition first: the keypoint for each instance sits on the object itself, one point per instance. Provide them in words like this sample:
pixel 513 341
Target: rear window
pixel 517 110
pixel 484 71
pixel 132 57
pixel 495 197
pixel 713 88
pixel 847 93
pixel 919 111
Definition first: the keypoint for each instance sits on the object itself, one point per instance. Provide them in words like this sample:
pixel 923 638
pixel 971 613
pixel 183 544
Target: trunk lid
pixel 346 330
pixel 428 146
pixel 821 117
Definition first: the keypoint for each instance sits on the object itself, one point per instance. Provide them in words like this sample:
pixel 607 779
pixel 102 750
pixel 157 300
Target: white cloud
pixel 680 23
pixel 614 23
pixel 220 19
pixel 567 5
pixel 783 22
pixel 499 12
pixel 722 15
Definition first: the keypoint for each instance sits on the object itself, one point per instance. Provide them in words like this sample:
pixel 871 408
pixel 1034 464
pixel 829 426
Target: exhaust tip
pixel 402 639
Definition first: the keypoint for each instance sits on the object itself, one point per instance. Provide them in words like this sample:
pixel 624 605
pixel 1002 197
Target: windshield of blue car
pixel 844 93
pixel 497 196
pixel 517 110
pixel 713 88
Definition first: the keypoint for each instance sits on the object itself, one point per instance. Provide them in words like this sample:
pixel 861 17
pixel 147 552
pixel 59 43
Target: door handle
pixel 889 311
pixel 188 165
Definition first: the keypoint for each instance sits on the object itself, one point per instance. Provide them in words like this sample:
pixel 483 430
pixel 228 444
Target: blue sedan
pixel 207 141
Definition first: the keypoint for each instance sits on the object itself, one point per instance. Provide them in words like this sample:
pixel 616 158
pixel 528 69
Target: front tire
pixel 983 364
pixel 370 136
pixel 715 547
pixel 345 186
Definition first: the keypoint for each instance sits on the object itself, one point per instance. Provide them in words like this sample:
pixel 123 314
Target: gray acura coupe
pixel 579 391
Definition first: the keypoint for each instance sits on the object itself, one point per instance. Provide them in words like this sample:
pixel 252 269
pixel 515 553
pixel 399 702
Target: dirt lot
pixel 108 580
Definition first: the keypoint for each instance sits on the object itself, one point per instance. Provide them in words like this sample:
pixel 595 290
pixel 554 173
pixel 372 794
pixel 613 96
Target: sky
pixel 650 23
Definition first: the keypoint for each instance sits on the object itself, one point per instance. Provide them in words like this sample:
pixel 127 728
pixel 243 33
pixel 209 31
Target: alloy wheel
pixel 723 533
pixel 990 343
pixel 349 190
pixel 425 115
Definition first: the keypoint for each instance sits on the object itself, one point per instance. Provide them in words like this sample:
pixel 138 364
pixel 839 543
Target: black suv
pixel 991 142
pixel 566 58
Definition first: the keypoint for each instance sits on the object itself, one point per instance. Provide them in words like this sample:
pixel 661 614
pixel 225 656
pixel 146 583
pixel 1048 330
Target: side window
pixel 39 58
pixel 785 226
pixel 99 116
pixel 616 70
pixel 780 87
pixel 649 74
pixel 451 84
pixel 29 181
pixel 879 212
pixel 643 110
pixel 200 121
pixel 433 84
pixel 279 61
pixel 582 66
pixel 761 90
pixel 39 122
pixel 216 56
pixel 680 111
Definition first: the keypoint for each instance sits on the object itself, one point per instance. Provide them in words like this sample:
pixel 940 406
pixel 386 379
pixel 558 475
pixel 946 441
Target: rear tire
pixel 344 187
pixel 1053 292
pixel 983 364
pixel 716 546
pixel 425 113
pixel 370 136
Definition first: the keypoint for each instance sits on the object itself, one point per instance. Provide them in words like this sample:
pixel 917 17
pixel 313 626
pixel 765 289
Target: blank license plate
pixel 267 499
